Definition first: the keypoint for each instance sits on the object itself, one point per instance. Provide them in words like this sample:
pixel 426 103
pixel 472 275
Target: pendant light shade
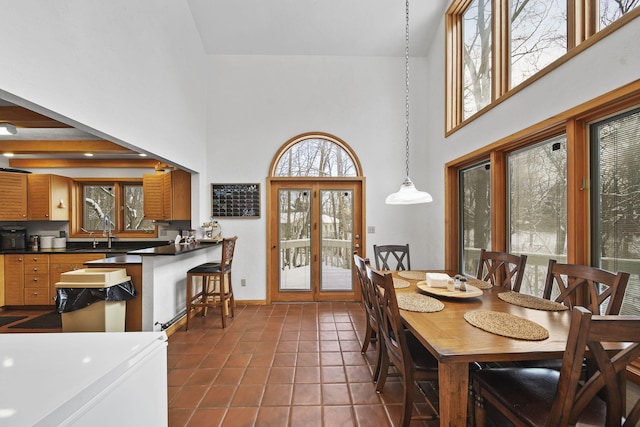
pixel 408 194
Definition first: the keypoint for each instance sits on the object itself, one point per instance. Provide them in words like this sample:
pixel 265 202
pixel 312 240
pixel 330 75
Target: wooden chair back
pixel 368 299
pixel 598 290
pixel 502 269
pixel 595 332
pixel 391 326
pixel 392 257
pixel 228 249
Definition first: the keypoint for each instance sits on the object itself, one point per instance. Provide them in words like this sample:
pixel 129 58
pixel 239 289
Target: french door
pixel 314 228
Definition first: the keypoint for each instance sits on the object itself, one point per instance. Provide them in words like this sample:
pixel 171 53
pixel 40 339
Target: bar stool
pixel 214 291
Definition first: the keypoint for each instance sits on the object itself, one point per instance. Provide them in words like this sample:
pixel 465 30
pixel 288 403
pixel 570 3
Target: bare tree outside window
pixel 316 157
pixel 537 179
pixel 611 10
pixel 475 212
pixel 538 36
pixel 476 57
pixel 100 210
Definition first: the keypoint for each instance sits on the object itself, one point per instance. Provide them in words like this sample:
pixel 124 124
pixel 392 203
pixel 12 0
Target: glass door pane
pixel 615 186
pixel 537 180
pixel 294 207
pixel 336 240
pixel 475 212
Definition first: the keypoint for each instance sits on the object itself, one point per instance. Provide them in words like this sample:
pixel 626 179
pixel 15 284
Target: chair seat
pixel 208 268
pixel 531 393
pixel 423 360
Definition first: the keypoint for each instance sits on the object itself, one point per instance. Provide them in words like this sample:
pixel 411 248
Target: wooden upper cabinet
pixel 167 195
pixel 48 197
pixel 13 187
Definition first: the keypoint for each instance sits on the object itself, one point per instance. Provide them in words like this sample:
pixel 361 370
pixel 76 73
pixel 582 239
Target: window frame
pixel 582 32
pixel 77 215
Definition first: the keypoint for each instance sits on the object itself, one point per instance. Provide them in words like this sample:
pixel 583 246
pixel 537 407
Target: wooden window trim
pixel 581 34
pixel 75 224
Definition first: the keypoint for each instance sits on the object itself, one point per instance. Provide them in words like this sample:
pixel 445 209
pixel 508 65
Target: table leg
pixel 453 382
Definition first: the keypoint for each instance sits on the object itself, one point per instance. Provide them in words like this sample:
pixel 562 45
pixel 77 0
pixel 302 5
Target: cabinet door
pixel 153 191
pixel 180 195
pixel 13 187
pixel 14 279
pixel 48 197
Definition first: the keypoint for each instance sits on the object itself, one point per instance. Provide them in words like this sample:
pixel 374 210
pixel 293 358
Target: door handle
pixel 357 246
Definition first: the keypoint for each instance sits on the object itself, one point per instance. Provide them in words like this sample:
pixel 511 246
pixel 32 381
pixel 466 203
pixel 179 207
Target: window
pixel 115 205
pixel 317 156
pixel 495 48
pixel 611 10
pixel 537 197
pixel 615 168
pixel 475 214
pixel 476 57
pixel 538 36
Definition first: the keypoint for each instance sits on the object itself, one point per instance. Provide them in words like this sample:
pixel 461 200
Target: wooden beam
pixel 86 163
pixel 21 117
pixel 62 146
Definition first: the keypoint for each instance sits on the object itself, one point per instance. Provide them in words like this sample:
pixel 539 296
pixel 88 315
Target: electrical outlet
pixel 371 229
pixel 243 282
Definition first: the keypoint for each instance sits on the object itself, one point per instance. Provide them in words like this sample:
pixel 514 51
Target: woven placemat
pixel 413 275
pixel 399 283
pixel 506 325
pixel 418 302
pixel 480 284
pixel 530 301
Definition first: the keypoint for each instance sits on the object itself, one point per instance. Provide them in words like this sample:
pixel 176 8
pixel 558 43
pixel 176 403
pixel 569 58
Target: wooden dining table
pixel 455 343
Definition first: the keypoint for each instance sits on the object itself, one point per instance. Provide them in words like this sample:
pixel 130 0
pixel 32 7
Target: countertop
pixel 173 249
pixel 163 249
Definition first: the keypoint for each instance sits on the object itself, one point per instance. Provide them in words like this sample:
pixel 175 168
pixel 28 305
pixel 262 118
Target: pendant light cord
pixel 406 84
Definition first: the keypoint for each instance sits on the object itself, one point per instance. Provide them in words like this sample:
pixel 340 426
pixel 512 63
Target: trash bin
pixel 94 299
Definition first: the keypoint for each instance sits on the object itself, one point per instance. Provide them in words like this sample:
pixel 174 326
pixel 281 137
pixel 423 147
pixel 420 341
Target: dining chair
pixel 384 254
pixel 216 289
pixel 372 332
pixel 413 362
pixel 546 397
pixel 502 269
pixel 599 291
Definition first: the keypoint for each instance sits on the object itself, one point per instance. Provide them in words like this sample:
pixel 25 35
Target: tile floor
pixel 278 365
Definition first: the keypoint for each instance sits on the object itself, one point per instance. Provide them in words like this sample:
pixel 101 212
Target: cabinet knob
pixel 35 279
pixel 35 294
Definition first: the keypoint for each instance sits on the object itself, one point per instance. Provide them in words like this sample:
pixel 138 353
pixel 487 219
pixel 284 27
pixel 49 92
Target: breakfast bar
pixel 159 274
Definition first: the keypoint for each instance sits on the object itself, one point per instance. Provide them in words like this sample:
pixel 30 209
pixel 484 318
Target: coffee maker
pixel 13 237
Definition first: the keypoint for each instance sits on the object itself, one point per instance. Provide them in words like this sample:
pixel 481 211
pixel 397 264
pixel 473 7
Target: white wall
pixel 258 103
pixel 609 64
pixel 129 71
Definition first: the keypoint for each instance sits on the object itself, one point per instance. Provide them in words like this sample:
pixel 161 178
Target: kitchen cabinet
pixel 48 197
pixel 167 195
pixel 30 279
pixel 13 187
pixel 1 280
pixel 14 279
pixel 61 263
pixel 36 280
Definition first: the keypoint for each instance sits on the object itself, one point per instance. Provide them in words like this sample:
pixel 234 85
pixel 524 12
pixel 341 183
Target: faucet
pixel 91 234
pixel 106 230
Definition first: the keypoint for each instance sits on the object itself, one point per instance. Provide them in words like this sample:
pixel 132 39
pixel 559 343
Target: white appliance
pixel 83 379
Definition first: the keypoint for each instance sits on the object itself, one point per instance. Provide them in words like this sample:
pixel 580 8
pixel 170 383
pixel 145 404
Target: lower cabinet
pixel 30 279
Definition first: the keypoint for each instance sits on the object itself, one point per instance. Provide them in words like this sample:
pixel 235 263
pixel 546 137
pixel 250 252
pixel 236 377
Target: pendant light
pixel 408 194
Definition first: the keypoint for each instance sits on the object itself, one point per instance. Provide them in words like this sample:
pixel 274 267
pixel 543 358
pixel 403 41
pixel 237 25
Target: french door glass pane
pixel 295 239
pixel 476 62
pixel 336 237
pixel 475 212
pixel 538 208
pixel 616 200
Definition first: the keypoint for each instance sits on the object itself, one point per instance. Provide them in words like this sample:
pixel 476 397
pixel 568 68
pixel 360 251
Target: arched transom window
pixel 315 155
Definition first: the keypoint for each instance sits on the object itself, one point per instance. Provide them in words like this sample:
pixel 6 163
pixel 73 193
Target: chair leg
pixel 367 337
pixel 480 413
pixel 232 300
pixel 380 349
pixel 407 404
pixel 384 370
pixel 205 294
pixel 189 291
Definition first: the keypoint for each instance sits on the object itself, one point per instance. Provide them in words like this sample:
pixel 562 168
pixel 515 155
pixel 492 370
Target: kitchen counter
pixel 173 249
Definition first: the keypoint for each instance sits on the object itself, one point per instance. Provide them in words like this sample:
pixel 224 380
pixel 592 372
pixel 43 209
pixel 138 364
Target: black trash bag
pixel 72 299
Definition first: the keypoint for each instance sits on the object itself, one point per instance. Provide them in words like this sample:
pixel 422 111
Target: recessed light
pixel 7 129
pixel 8 154
pixel 142 155
pixel 88 154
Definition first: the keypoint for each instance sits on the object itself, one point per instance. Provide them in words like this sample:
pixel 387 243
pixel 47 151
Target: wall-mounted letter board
pixel 235 200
